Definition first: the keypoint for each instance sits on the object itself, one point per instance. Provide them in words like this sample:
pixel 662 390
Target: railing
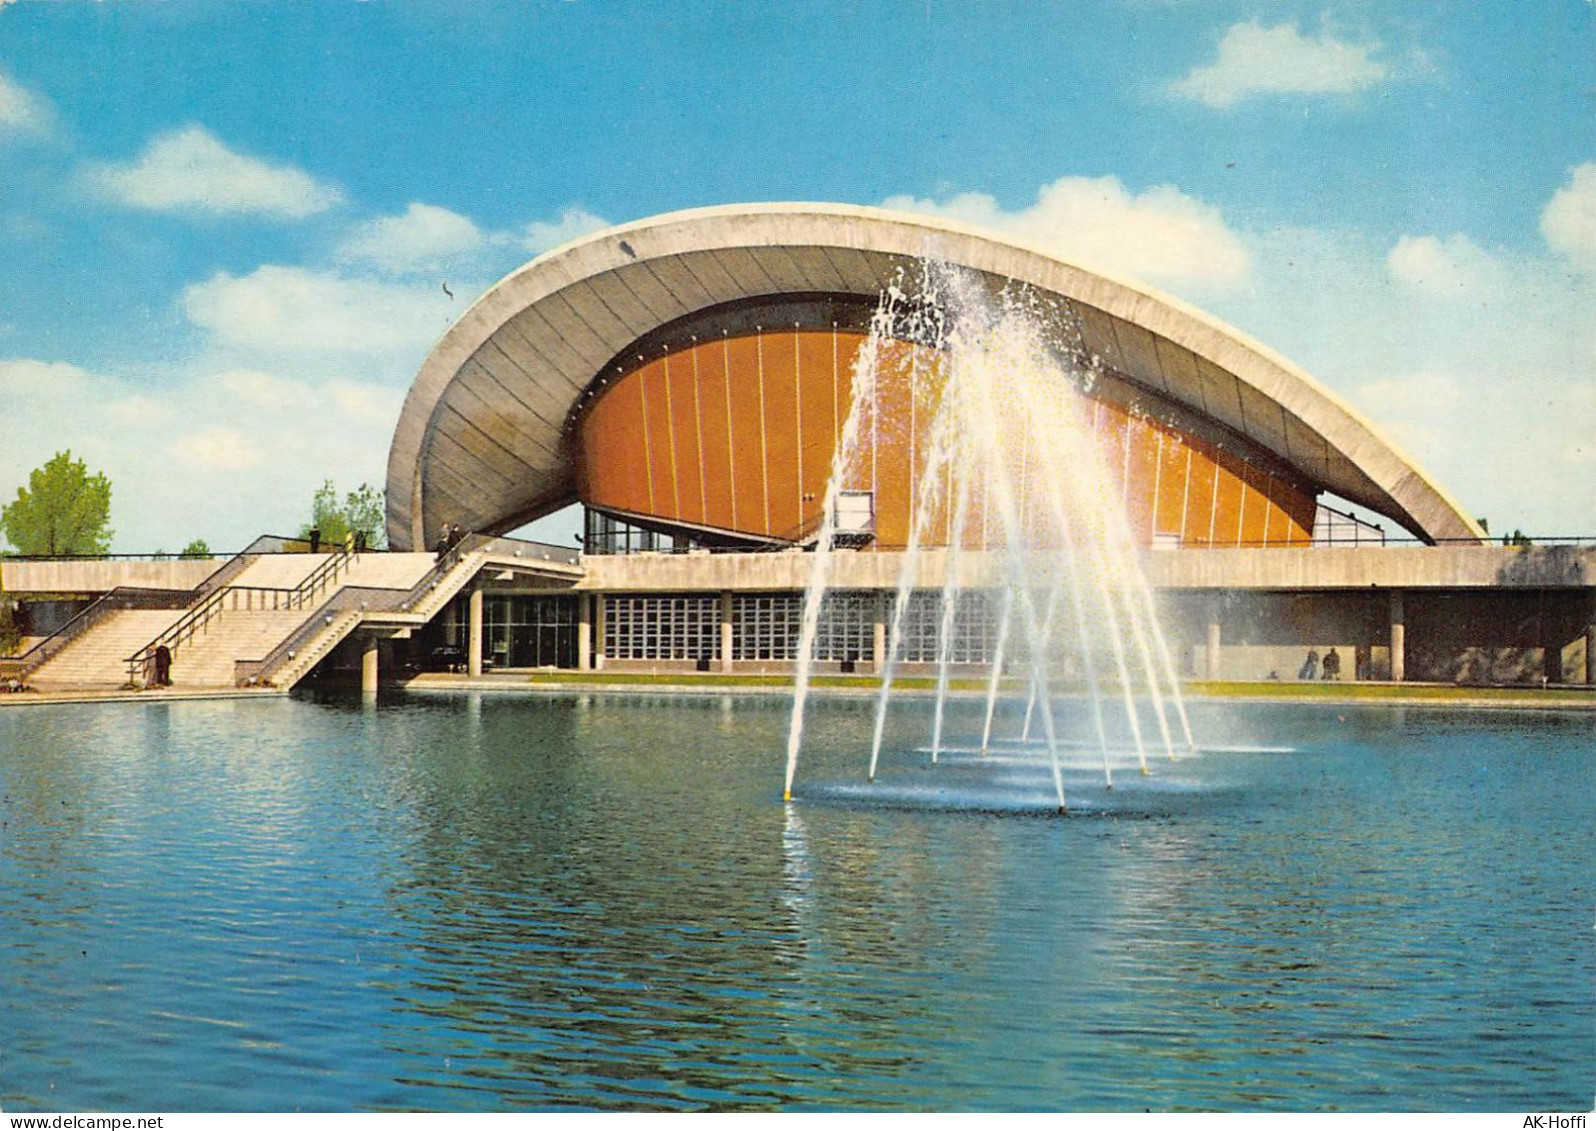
pixel 522 548
pixel 487 543
pixel 20 667
pixel 636 540
pixel 326 573
pixel 234 566
pixel 252 673
pixel 1388 541
pixel 265 544
pixel 365 600
pixel 446 562
pixel 156 556
pixel 198 618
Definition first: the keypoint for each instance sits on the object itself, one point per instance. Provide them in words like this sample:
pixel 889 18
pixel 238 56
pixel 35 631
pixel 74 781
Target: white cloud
pixel 1412 410
pixel 265 390
pixel 1162 234
pixel 279 309
pixel 367 405
pixel 191 170
pixel 1454 267
pixel 216 449
pixel 1513 444
pixel 140 409
pixel 28 381
pixel 540 236
pixel 423 238
pixel 1255 60
pixel 1569 220
pixel 428 239
pixel 224 455
pixel 21 110
pixel 1486 388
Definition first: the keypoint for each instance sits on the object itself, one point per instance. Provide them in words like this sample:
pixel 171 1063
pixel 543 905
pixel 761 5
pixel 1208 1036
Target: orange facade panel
pixel 686 438
pixel 717 483
pixel 820 409
pixel 780 403
pixel 737 434
pixel 659 458
pixel 746 399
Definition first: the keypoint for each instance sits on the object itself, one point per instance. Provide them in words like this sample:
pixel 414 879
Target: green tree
pixel 10 630
pixel 63 510
pixel 365 510
pixel 361 511
pixel 196 549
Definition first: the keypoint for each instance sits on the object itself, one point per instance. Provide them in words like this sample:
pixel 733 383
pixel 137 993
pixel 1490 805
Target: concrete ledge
pixel 1417 567
pixel 36 698
pixel 22 577
pixel 1366 693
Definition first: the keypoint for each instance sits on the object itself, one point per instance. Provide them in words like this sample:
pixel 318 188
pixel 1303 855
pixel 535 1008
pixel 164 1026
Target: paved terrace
pixel 1320 568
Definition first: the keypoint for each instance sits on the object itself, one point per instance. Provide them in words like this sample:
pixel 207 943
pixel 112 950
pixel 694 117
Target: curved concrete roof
pixel 482 440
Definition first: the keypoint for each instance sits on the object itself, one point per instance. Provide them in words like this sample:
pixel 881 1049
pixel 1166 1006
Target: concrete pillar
pixel 474 633
pixel 368 664
pixel 878 634
pixel 1211 649
pixel 1399 638
pixel 726 638
pixel 584 632
pixel 451 623
pixel 600 612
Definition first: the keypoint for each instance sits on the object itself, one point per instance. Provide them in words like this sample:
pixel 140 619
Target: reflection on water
pixel 489 903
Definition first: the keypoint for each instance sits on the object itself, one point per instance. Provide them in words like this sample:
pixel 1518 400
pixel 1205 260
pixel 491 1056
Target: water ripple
pixel 480 904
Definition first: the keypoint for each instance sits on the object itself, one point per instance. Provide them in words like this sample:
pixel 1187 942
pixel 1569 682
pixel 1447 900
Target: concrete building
pixel 686 378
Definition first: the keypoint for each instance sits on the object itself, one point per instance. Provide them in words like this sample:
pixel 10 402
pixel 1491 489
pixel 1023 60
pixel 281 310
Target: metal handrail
pixel 126 597
pixel 256 672
pixel 264 544
pixel 471 543
pixel 189 625
pixel 118 599
pixel 350 598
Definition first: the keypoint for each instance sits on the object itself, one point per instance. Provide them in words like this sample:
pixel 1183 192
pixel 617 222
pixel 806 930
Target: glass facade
pixel 768 626
pixel 765 626
pixel 683 626
pixel 847 627
pixel 975 628
pixel 532 631
pixel 523 631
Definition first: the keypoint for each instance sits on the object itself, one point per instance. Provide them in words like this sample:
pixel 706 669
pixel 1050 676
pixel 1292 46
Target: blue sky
pixel 225 229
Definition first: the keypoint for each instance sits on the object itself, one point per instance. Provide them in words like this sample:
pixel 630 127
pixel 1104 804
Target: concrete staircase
pixel 241 634
pixel 295 668
pixel 249 620
pixel 98 659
